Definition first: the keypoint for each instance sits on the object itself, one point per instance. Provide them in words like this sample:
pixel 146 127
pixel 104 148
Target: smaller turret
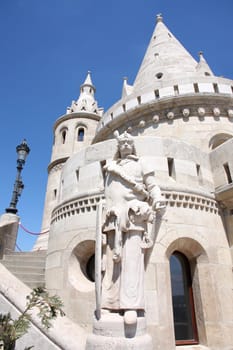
pixel 72 132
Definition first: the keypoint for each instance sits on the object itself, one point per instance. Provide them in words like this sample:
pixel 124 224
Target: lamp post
pixel 22 151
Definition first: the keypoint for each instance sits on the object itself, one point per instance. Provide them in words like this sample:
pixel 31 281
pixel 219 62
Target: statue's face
pixel 125 147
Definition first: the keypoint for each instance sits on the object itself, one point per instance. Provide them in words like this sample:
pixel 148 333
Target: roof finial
pixel 88 80
pixel 159 17
pixel 200 53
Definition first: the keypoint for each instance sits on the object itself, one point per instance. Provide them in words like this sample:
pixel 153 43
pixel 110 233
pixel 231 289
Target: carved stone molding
pixel 173 199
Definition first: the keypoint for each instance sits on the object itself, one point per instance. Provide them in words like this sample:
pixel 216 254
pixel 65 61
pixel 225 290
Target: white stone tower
pixel 72 132
pixel 181 116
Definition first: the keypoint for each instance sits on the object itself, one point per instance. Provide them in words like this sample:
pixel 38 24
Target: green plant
pixel 49 308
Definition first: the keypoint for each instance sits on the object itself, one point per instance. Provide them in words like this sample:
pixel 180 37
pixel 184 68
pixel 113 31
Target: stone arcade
pixel 180 118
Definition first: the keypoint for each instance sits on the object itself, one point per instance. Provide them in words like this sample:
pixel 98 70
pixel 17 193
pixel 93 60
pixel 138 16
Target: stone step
pixel 24 276
pixel 34 284
pixel 31 253
pixel 29 267
pixel 25 256
pixel 37 264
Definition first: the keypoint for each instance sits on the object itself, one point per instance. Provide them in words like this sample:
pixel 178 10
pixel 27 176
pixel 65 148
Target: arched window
pixel 182 300
pixel 63 136
pixel 81 134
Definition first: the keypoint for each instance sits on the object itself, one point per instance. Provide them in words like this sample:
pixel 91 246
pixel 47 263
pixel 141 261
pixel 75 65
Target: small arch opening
pixel 81 133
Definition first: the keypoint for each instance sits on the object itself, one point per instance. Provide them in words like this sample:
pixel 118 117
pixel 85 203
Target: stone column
pixel 8 233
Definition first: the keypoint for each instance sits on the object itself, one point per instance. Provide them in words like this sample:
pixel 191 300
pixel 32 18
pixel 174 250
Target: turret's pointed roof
pixel 165 59
pixel 88 81
pixel 203 66
pixel 86 101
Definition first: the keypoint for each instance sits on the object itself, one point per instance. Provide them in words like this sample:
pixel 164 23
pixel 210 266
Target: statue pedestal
pixel 111 333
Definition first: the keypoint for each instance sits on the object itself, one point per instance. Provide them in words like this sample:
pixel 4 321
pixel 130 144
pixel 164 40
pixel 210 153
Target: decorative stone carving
pixel 170 115
pixel 201 111
pixel 155 118
pixel 142 123
pixel 216 112
pixel 230 113
pixel 186 112
pixel 132 198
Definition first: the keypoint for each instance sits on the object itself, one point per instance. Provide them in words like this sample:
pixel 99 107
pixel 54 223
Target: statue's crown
pixel 123 137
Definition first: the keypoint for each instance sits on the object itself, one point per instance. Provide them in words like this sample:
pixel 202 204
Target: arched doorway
pixel 182 300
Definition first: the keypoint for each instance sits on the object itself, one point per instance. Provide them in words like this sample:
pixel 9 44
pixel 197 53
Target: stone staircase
pixel 29 267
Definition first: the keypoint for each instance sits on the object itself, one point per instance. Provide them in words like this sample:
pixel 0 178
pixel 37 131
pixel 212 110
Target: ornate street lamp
pixel 22 151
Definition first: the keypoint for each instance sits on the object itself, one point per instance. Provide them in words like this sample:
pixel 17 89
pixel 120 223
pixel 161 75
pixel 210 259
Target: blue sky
pixel 48 46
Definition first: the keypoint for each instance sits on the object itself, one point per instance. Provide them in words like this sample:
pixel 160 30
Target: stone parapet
pixel 136 103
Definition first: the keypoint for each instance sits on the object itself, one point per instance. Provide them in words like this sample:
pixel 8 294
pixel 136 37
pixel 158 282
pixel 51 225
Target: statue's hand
pixel 139 187
pixel 111 167
pixel 159 205
pixel 116 257
pixel 146 241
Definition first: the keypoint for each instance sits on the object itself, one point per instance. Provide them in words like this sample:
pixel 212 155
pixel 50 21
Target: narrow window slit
pixel 171 167
pixel 176 89
pixel 156 93
pixel 196 88
pixel 216 90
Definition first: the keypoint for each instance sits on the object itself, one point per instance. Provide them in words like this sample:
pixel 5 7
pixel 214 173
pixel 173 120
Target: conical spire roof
pixel 88 82
pixel 86 101
pixel 165 59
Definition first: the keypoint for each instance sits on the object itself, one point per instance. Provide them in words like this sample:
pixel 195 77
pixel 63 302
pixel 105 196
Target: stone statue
pixel 132 198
